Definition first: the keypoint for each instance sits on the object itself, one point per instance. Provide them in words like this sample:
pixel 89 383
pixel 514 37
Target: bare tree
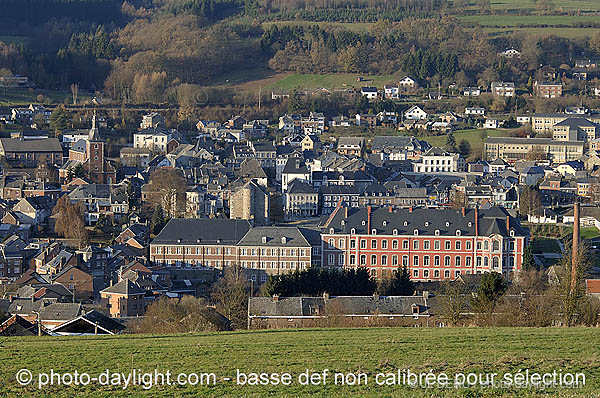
pixel 75 92
pixel 453 302
pixel 230 295
pixel 167 189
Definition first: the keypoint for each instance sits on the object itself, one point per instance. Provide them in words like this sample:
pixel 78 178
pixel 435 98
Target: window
pixel 363 259
pixel 363 244
pixel 405 244
pixel 405 261
pixel 486 245
pixel 436 245
pixel 495 262
pixel 352 259
pixel 468 261
pixel 373 259
pixel 426 245
pixel 426 261
pixel 457 273
pixel 374 273
pixel 468 245
pixel 341 243
pixel 384 244
pixel 436 261
pixel 384 260
pixel 447 274
pixel 416 273
pixel 352 244
pixel 416 261
pixel 486 262
pixel 479 245
pixel 446 261
pixel 341 259
pixel 458 245
pixel 426 274
pixel 415 245
pixel 330 243
pixel 331 259
pixel 436 273
pixel 478 261
pixel 457 261
pixel 447 245
pixel 394 244
pixel 373 244
pixel 496 245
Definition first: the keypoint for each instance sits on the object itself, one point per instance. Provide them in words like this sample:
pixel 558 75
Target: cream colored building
pixel 511 149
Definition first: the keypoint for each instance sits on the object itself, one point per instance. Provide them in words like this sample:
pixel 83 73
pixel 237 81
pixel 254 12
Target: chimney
pixel 410 209
pixel 345 212
pixel 476 221
pixel 325 296
pixel 369 209
pixel 575 249
pixel 425 294
pixel 463 211
pixel 32 298
pixel 275 297
pixel 390 209
pixel 507 223
pixel 375 297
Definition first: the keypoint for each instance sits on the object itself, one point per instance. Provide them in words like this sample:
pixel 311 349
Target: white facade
pixel 415 113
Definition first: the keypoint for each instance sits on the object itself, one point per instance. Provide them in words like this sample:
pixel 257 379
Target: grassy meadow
pixel 330 81
pixel 368 351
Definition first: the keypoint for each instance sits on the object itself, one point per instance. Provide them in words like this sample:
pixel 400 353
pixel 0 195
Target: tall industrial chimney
pixel 575 249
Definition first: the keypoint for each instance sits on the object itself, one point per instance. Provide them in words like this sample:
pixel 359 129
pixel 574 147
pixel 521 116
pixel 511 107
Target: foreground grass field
pixel 368 351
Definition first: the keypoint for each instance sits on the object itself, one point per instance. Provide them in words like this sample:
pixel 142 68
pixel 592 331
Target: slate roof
pixel 126 287
pixel 340 190
pixel 295 166
pixel 86 324
pixel 293 237
pixel 37 145
pixel 298 187
pixel 381 143
pixel 576 122
pixel 349 305
pixel 539 141
pixel 192 231
pixel 425 221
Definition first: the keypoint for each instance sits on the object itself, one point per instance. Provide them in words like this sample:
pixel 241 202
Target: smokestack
pixel 369 209
pixel 463 211
pixel 575 249
pixel 345 212
pixel 507 223
pixel 476 221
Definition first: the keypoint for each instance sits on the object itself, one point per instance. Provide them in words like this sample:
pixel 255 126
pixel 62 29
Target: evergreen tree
pixel 59 120
pixel 401 285
pixel 528 259
pixel 158 220
pixel 450 143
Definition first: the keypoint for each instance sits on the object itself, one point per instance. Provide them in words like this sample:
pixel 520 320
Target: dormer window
pixel 331 230
pixel 458 232
pixel 512 233
pixel 384 223
pixel 470 224
pixel 416 232
pixel 395 232
pixel 405 223
pixel 447 224
pixel 352 231
pixel 283 240
pixel 364 222
pixel 343 223
pixel 426 223
pixel 437 232
pixel 373 231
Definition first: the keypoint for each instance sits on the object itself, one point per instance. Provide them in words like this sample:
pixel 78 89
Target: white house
pixel 510 53
pixel 407 82
pixel 415 113
pixel 475 110
pixel 597 91
pixel 369 92
pixel 503 89
pixel 391 92
pixel 153 139
pixel 439 160
pixel 471 92
pixel 523 119
pixel 491 124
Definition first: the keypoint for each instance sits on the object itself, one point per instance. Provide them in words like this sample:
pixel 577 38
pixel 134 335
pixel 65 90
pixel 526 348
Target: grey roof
pixel 340 190
pixel 381 143
pixel 79 146
pixel 60 311
pixel 125 287
pixel 86 324
pixel 297 186
pixel 348 305
pixel 350 141
pixel 205 231
pixel 295 166
pixel 576 122
pixel 37 145
pixel 273 236
pixel 425 221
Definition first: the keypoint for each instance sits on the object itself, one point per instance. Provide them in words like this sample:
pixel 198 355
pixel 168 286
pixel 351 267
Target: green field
pixel 570 33
pixel 338 80
pixel 368 351
pixel 560 5
pixel 472 136
pixel 530 20
pixel 22 96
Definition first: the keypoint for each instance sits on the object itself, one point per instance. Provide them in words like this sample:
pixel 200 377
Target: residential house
pixel 351 146
pixel 301 200
pixel 437 160
pixel 370 92
pixel 125 299
pixel 547 89
pixel 503 89
pixel 415 113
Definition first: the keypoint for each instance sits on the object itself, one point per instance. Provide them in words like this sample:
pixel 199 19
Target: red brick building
pixel 221 243
pixel 433 244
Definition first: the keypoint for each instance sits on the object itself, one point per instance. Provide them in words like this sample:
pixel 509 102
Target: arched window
pixel 495 262
pixel 496 245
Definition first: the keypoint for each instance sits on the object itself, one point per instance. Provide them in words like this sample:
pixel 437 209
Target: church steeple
pixel 94 133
